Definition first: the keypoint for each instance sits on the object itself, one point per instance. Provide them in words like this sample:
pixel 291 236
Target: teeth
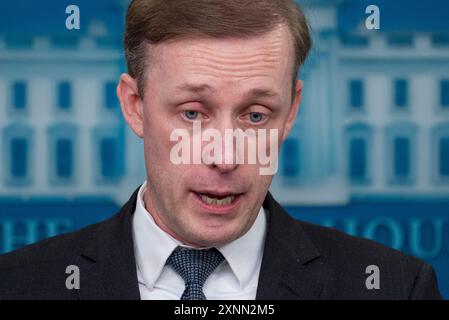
pixel 217 202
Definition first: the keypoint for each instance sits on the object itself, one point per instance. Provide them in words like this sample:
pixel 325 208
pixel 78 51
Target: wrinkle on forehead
pixel 265 61
pixel 233 56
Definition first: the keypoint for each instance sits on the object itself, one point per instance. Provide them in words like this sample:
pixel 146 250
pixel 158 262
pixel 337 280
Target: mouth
pixel 218 202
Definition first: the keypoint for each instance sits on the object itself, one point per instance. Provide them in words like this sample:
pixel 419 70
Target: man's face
pixel 224 84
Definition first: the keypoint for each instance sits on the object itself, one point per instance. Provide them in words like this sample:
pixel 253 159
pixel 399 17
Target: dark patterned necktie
pixel 194 266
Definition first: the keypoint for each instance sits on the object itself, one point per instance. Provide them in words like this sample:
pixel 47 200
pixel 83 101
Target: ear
pixel 131 103
pixel 293 110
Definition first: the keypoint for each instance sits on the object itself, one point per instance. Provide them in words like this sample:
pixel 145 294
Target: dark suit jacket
pixel 300 261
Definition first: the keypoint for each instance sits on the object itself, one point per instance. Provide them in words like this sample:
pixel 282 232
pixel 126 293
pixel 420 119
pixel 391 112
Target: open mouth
pixel 217 200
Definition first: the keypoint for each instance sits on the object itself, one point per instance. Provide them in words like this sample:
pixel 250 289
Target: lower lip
pixel 223 209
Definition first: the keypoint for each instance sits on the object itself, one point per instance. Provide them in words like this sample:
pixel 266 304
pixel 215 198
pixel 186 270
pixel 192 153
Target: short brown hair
pixel 156 21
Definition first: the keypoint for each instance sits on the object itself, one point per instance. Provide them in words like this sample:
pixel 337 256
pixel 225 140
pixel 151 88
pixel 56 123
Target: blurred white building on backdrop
pixel 374 121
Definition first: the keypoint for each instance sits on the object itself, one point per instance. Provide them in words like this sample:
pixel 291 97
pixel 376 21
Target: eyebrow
pixel 263 93
pixel 253 93
pixel 194 88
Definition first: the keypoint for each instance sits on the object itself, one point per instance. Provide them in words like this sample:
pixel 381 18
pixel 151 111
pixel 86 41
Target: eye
pixel 191 115
pixel 256 117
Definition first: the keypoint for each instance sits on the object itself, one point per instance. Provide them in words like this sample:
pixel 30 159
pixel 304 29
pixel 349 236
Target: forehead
pixel 265 60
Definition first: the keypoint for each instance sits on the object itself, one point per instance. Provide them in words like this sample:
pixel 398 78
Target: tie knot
pixel 194 265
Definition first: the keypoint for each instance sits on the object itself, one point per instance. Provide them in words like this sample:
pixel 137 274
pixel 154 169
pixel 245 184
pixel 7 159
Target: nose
pixel 228 157
pixel 224 168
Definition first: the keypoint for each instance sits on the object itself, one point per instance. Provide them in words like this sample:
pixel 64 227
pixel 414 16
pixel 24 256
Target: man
pixel 210 229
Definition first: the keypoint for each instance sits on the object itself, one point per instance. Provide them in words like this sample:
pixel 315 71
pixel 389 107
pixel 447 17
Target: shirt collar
pixel 244 254
pixel 153 246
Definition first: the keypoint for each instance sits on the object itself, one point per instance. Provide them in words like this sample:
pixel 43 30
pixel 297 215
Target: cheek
pixel 157 138
pixel 281 127
pixel 256 180
pixel 263 181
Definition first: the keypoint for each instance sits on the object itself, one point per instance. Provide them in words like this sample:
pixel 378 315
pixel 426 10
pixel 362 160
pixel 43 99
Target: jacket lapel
pixel 291 266
pixel 108 268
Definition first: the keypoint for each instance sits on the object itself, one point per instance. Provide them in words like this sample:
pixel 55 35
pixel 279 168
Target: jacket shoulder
pixel 39 268
pixel 353 259
pixel 335 243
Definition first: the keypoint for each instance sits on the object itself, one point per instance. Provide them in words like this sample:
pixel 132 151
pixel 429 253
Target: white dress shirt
pixel 235 278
